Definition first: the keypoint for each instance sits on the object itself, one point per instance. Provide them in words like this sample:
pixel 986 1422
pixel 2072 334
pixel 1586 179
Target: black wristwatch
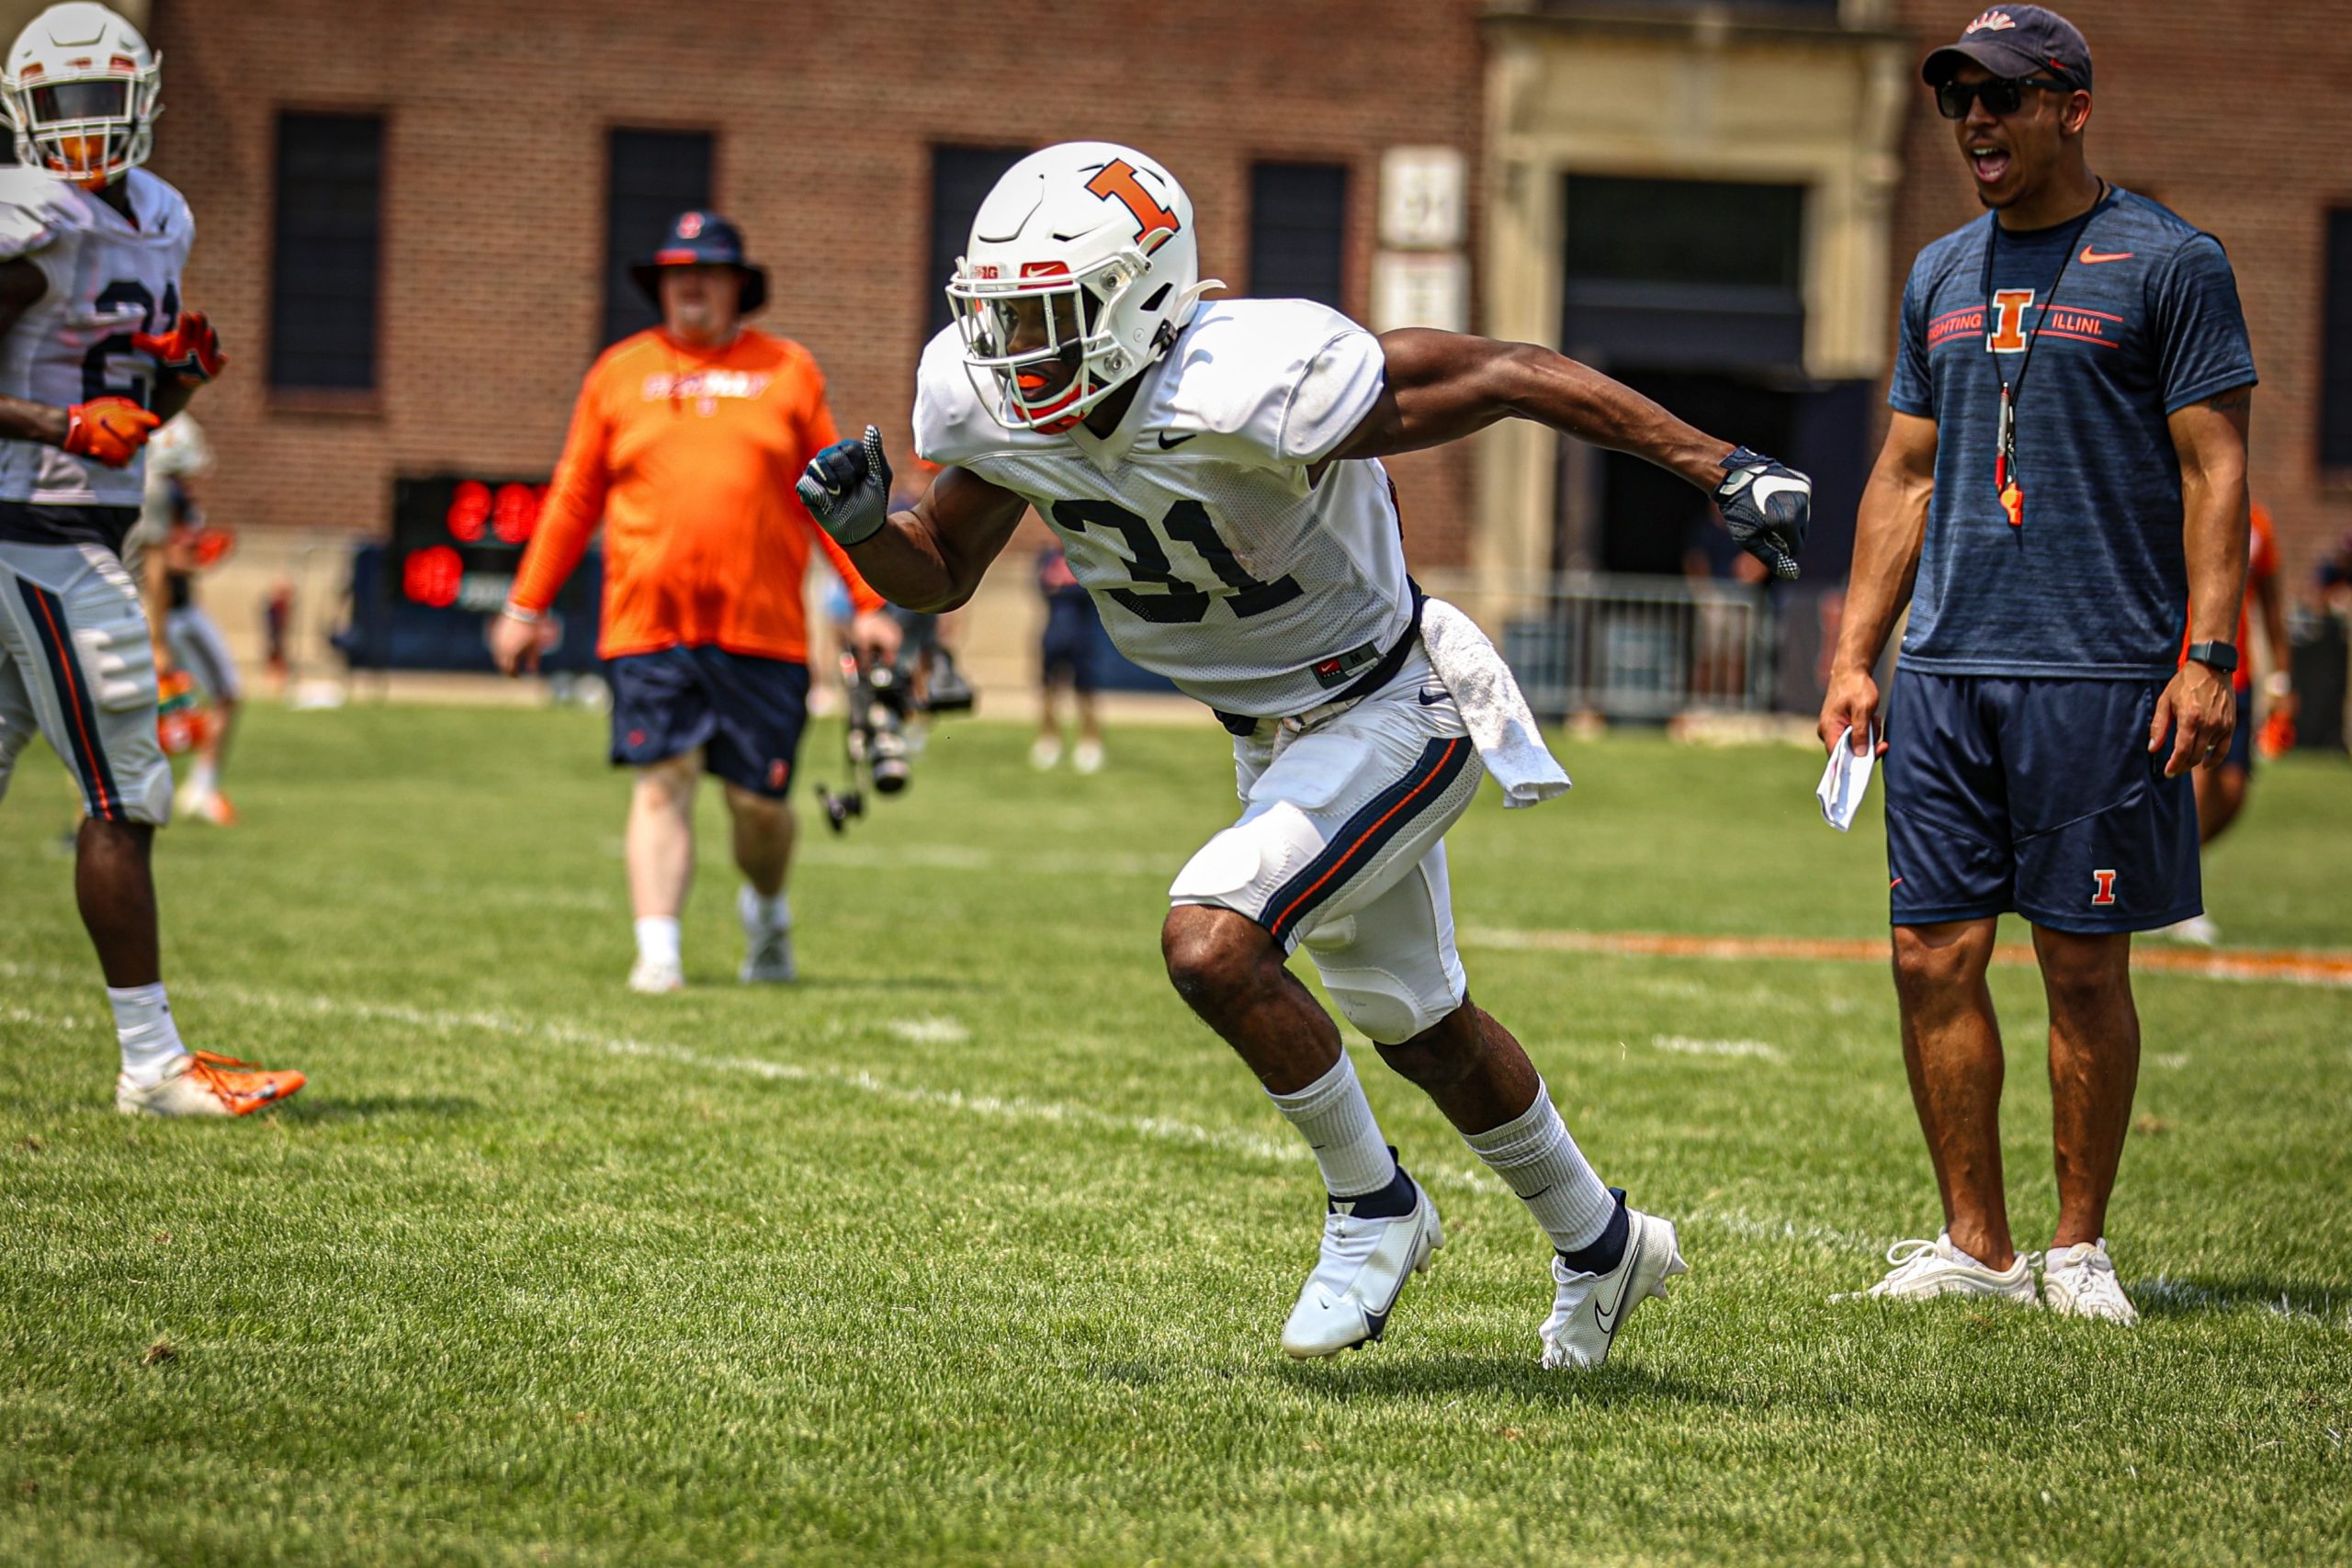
pixel 2220 656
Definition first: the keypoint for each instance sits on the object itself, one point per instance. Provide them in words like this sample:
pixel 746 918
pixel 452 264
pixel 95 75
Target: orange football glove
pixel 191 350
pixel 112 430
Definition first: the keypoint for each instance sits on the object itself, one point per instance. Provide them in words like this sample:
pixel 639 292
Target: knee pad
pixel 1388 1009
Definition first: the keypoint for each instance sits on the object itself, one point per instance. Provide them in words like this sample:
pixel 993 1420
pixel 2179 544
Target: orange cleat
pixel 203 1084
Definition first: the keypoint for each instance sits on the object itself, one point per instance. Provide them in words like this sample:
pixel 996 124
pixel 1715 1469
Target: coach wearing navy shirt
pixel 2063 480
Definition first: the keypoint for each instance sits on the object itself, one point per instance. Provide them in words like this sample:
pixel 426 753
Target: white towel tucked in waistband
pixel 1492 706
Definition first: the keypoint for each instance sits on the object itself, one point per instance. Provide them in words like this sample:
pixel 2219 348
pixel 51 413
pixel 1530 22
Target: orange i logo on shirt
pixel 2008 335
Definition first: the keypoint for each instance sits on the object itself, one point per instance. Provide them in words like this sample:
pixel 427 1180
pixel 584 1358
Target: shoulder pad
pixel 953 426
pixel 35 209
pixel 1282 379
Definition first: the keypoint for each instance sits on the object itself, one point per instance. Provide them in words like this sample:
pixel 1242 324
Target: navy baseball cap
pixel 2016 40
pixel 702 239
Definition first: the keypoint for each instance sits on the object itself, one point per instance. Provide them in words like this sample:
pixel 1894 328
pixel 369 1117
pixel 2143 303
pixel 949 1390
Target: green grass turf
pixel 973 1245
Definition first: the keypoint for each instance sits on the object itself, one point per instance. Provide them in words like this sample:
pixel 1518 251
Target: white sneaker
pixel 1088 757
pixel 1928 1268
pixel 1589 1309
pixel 1044 751
pixel 2198 931
pixel 654 977
pixel 2079 1282
pixel 767 949
pixel 1364 1266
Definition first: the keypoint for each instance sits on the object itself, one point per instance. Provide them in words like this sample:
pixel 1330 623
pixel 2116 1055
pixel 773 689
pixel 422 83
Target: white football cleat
pixel 767 949
pixel 1589 1309
pixel 656 976
pixel 2198 931
pixel 1361 1268
pixel 1925 1269
pixel 2079 1282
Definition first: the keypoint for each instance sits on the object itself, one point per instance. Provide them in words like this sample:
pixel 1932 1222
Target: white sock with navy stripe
pixel 143 1026
pixel 1335 1119
pixel 1534 1153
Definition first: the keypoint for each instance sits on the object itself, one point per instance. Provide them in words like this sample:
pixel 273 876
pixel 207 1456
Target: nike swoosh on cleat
pixel 1607 1318
pixel 1166 445
pixel 2092 258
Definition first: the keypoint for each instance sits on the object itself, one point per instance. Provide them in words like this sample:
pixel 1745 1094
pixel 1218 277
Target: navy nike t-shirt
pixel 2143 321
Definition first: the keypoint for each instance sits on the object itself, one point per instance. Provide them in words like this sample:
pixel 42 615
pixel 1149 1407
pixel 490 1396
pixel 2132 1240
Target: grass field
pixel 974 1245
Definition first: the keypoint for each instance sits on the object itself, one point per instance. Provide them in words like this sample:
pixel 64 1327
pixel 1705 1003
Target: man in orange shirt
pixel 685 443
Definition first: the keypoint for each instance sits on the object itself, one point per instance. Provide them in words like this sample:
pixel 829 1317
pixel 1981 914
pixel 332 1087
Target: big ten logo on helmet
pixel 1117 181
pixel 704 387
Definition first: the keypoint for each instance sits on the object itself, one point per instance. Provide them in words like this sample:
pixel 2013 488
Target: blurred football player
pixel 176 545
pixel 95 352
pixel 1213 472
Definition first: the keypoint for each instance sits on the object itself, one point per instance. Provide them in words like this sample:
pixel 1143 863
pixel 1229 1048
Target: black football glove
pixel 847 489
pixel 1768 506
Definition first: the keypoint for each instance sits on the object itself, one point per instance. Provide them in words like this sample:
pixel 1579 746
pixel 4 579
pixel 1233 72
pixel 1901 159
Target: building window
pixel 650 177
pixel 2335 346
pixel 961 178
pixel 1299 231
pixel 325 247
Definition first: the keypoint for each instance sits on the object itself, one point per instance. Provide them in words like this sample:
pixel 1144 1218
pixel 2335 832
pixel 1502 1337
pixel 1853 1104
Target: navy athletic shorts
pixel 1068 643
pixel 2037 795
pixel 745 712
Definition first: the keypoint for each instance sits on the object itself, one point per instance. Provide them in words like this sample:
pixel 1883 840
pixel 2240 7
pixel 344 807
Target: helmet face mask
pixel 1081 269
pixel 81 89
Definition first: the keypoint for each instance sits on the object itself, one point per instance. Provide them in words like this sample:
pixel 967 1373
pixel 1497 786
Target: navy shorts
pixel 2037 795
pixel 1069 639
pixel 745 712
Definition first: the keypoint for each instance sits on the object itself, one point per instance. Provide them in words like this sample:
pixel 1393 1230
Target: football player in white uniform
pixel 1212 471
pixel 95 352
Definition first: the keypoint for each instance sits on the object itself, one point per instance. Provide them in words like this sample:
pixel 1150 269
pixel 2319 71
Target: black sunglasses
pixel 2002 94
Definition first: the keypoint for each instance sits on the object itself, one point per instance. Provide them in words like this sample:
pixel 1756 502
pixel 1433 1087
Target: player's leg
pixel 1950 873
pixel 760 707
pixel 2120 857
pixel 1086 756
pixel 661 720
pixel 76 662
pixel 1057 668
pixel 197 643
pixel 2220 796
pixel 1391 965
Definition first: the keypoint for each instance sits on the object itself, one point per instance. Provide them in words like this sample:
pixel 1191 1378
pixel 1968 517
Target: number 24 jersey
pixel 108 277
pixel 1216 555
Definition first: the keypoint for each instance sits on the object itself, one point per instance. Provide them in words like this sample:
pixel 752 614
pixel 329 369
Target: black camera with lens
pixel 887 704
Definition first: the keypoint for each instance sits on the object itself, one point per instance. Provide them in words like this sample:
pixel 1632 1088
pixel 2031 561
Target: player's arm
pixel 21 288
pixel 1440 386
pixel 1889 528
pixel 929 558
pixel 2197 709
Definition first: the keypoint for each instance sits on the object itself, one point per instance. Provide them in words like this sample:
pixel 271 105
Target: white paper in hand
pixel 1845 780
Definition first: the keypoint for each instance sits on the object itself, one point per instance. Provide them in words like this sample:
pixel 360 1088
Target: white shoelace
pixel 2090 1275
pixel 1912 1259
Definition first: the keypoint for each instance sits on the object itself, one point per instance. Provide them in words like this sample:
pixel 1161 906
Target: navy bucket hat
pixel 700 238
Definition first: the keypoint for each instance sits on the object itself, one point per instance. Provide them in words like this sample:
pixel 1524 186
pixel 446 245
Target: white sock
pixel 1335 1119
pixel 205 777
pixel 1533 1154
pixel 657 939
pixel 760 913
pixel 143 1023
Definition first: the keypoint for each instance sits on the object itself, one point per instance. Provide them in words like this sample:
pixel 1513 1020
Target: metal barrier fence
pixel 1630 647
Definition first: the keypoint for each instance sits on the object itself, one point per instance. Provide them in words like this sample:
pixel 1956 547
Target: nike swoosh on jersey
pixel 1607 1317
pixel 1767 486
pixel 2092 258
pixel 1429 699
pixel 1166 445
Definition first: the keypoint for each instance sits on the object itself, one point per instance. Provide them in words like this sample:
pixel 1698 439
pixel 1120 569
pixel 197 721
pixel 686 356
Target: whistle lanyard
pixel 2007 483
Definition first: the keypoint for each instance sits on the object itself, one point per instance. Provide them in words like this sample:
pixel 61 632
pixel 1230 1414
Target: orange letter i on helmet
pixel 1154 223
pixel 2008 335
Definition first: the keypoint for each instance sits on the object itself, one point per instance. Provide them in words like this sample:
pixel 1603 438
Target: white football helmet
pixel 1082 268
pixel 81 89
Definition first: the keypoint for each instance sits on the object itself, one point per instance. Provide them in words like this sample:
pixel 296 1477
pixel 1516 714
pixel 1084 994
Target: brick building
pixel 1716 199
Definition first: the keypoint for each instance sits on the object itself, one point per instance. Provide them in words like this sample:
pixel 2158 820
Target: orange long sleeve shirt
pixel 688 457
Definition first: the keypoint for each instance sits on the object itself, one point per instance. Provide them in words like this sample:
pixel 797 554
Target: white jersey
pixel 107 279
pixel 1213 560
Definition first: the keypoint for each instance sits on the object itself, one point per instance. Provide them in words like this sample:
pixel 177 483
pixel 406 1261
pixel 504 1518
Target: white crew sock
pixel 657 939
pixel 1335 1119
pixel 205 777
pixel 763 914
pixel 143 1023
pixel 1534 1153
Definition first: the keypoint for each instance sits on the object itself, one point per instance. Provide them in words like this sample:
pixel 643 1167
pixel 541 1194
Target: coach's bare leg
pixel 114 883
pixel 764 832
pixel 1471 1066
pixel 2094 1068
pixel 1232 973
pixel 660 845
pixel 2220 795
pixel 1951 1048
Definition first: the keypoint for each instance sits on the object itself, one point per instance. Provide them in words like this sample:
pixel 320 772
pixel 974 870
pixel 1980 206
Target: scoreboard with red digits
pixel 457 541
